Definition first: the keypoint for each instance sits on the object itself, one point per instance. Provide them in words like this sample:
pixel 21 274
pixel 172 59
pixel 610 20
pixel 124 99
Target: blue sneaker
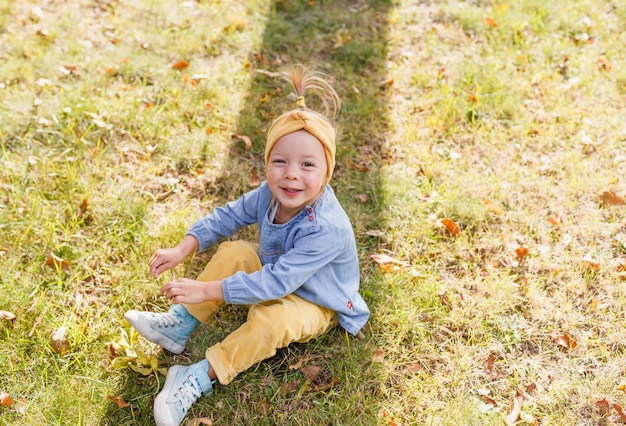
pixel 183 386
pixel 171 330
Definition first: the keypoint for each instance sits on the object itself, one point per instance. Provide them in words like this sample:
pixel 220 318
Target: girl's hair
pixel 303 80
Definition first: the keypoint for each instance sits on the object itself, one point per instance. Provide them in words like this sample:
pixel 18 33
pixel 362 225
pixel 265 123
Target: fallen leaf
pixel 288 387
pixel 609 197
pixel 445 301
pixel 603 405
pixel 383 259
pixel 246 140
pixel 502 7
pixel 529 386
pixel 378 355
pixel 363 197
pixel 555 219
pixel 603 64
pixel 180 65
pixel 488 400
pixel 620 411
pixel 521 252
pixel 591 262
pixel 622 388
pixel 59 340
pixel 491 22
pixel 414 367
pixel 56 262
pixel 311 372
pixel 375 233
pixel 119 401
pixel 562 338
pixel 6 400
pixel 6 315
pixel 491 359
pixel 516 408
pixel 450 225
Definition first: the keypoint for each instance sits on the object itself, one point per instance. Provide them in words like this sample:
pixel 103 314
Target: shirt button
pixel 310 210
pixel 310 218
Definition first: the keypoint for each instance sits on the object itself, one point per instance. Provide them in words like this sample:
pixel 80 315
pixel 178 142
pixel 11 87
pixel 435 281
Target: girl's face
pixel 296 172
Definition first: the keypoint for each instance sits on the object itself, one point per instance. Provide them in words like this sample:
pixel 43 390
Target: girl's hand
pixel 189 291
pixel 165 259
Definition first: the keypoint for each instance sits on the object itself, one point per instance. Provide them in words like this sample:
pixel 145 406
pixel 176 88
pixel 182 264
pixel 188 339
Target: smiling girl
pixel 299 281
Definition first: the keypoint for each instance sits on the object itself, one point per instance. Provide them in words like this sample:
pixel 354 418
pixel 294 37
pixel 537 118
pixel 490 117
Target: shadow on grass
pixel 347 40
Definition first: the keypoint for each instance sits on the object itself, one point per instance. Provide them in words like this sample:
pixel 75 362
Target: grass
pixel 507 118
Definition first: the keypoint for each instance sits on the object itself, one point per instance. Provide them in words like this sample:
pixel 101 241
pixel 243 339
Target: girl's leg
pixel 270 325
pixel 230 257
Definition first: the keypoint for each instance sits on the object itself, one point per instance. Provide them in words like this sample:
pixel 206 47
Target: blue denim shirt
pixel 313 255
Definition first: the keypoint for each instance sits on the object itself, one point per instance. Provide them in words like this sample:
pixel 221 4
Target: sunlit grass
pixel 505 118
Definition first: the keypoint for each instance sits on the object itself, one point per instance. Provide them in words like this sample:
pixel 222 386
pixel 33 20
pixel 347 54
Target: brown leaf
pixel 555 219
pixel 562 338
pixel 119 401
pixel 246 140
pixel 603 405
pixel 450 225
pixel 6 315
pixel 609 197
pixel 288 387
pixel 603 64
pixel 445 301
pixel 310 372
pixel 6 400
pixel 491 361
pixel 82 209
pixel 180 65
pixel 620 411
pixel 414 367
pixel 56 262
pixel 383 259
pixel 622 388
pixel 491 22
pixel 378 355
pixel 59 340
pixel 591 262
pixel 521 252
pixel 515 409
pixel 358 167
pixel 488 400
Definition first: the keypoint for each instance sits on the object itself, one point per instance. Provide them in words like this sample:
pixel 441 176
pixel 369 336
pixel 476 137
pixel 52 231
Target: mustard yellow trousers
pixel 269 325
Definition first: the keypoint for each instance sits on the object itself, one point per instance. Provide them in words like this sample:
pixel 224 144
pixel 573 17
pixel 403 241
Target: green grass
pixel 512 130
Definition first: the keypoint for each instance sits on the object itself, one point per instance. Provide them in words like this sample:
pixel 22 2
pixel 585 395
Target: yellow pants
pixel 270 325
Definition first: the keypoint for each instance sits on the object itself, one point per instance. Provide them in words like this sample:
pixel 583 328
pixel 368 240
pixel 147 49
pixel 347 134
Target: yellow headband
pixel 313 123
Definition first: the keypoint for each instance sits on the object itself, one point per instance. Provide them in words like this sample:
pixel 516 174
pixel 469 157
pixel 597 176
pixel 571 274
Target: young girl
pixel 299 281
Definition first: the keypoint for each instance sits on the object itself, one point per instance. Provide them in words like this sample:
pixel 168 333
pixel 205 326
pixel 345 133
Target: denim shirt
pixel 312 255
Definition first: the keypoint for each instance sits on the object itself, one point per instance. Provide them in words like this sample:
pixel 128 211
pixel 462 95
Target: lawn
pixel 481 157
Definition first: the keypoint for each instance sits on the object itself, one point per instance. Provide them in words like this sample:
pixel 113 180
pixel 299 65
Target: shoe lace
pixel 189 392
pixel 168 319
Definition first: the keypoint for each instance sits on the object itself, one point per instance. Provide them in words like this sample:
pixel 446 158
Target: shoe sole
pixel 143 327
pixel 161 399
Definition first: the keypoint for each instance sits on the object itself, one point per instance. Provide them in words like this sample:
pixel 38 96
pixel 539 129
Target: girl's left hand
pixel 185 290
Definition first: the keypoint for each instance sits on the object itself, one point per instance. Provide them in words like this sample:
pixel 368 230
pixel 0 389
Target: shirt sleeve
pixel 224 221
pixel 314 250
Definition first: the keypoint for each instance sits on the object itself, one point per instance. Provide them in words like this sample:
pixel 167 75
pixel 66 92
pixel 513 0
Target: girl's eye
pixel 278 161
pixel 307 164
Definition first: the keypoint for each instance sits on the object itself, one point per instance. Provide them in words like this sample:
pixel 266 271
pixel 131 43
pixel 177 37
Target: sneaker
pixel 170 330
pixel 183 386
